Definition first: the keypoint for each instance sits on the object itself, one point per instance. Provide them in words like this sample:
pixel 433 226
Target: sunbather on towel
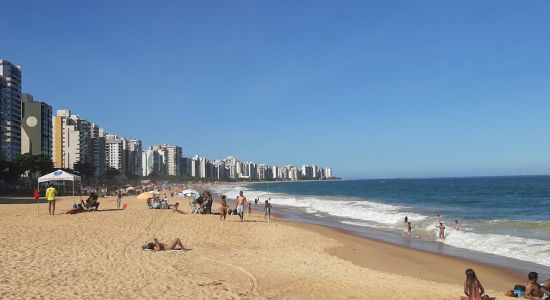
pixel 158 246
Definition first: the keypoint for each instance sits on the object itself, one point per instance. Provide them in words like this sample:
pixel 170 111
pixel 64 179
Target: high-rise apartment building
pixel 10 110
pixel 115 155
pixel 36 126
pixel 151 162
pixel 71 140
pixel 134 151
pixel 97 136
pixel 172 160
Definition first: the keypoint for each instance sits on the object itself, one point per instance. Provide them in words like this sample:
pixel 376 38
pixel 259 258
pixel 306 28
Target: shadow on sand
pixel 19 200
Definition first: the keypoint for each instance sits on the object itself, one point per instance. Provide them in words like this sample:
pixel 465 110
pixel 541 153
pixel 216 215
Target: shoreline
pixel 373 254
pixel 518 267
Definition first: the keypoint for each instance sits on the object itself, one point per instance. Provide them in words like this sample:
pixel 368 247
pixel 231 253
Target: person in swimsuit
pixel 472 287
pixel 409 229
pixel 457 225
pixel 223 208
pixel 438 218
pixel 241 201
pixel 406 221
pixel 533 290
pixel 158 246
pixel 441 231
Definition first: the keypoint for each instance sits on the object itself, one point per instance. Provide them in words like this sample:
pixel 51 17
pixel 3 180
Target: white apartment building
pixel 71 140
pixel 115 156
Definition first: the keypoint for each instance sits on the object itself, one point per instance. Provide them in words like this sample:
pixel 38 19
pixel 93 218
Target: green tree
pixel 34 164
pixel 111 173
pixel 9 170
pixel 87 170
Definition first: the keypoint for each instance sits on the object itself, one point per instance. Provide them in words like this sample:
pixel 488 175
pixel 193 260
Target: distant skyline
pixel 373 89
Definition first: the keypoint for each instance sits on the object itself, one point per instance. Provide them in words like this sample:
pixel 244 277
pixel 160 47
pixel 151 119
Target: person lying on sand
pixel 472 287
pixel 158 246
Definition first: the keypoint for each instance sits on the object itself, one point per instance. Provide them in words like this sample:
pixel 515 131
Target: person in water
pixel 441 231
pixel 158 246
pixel 409 229
pixel 472 287
pixel 457 225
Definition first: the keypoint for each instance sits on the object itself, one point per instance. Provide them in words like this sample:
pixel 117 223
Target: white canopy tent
pixel 60 175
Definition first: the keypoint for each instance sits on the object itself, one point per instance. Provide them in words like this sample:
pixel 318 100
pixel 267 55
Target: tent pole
pixel 73 192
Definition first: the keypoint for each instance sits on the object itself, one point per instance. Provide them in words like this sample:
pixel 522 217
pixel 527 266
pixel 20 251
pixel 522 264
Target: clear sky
pixel 371 88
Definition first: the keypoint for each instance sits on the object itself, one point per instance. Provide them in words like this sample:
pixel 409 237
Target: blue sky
pixel 371 88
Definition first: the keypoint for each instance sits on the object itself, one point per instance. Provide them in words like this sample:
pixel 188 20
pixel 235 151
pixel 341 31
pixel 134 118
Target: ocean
pixel 504 216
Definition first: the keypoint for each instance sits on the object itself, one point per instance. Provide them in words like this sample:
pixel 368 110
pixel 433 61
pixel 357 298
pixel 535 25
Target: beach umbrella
pixel 145 196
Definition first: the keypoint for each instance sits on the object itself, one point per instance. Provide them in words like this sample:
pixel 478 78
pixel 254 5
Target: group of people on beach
pixel 240 203
pixel 531 290
pixel 439 226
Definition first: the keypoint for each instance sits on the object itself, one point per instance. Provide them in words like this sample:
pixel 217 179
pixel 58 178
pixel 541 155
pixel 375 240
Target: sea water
pixel 505 216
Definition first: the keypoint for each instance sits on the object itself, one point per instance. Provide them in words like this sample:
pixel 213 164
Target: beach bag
pixel 519 290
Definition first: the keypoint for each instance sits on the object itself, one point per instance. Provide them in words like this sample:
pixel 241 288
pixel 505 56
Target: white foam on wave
pixel 389 215
pixel 534 250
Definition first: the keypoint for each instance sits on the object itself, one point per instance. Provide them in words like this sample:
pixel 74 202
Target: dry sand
pixel 96 255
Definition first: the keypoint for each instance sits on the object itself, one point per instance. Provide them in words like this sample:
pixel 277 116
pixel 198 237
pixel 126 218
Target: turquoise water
pixel 507 216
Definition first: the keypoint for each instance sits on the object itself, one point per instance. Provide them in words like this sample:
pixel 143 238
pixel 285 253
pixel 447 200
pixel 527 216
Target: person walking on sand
pixel 267 210
pixel 472 287
pixel 441 230
pixel 241 201
pixel 223 208
pixel 118 199
pixel 51 192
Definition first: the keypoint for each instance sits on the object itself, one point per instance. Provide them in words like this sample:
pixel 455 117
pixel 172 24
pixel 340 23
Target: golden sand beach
pixel 95 255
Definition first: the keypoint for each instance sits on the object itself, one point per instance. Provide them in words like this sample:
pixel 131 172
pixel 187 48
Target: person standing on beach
pixel 441 230
pixel 51 192
pixel 406 222
pixel 249 208
pixel 118 199
pixel 267 210
pixel 241 201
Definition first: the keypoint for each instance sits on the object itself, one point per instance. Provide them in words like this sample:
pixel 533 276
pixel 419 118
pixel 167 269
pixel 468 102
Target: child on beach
pixel 249 208
pixel 223 208
pixel 409 229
